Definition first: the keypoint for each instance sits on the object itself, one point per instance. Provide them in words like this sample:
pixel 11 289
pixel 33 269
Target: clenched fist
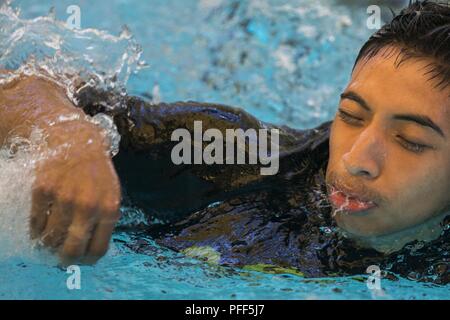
pixel 76 192
pixel 76 205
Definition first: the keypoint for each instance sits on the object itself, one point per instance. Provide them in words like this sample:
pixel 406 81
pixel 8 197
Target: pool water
pixel 284 61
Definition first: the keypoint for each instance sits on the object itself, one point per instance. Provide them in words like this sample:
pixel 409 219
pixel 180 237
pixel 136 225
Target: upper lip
pixel 353 194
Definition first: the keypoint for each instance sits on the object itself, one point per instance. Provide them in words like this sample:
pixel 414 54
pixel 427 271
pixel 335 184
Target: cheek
pixel 418 187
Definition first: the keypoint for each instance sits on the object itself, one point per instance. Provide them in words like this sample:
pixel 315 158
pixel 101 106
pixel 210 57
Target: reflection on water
pixel 297 54
pixel 284 61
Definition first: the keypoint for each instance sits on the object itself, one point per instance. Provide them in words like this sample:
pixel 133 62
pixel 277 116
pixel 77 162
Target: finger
pixel 98 246
pixel 58 222
pixel 78 235
pixel 41 205
pixel 99 243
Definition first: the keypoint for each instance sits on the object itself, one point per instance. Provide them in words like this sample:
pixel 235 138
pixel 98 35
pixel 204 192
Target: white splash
pixel 71 58
pixel 49 48
pixel 17 164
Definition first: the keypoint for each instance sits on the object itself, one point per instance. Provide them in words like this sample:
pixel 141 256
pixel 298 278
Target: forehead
pixel 407 88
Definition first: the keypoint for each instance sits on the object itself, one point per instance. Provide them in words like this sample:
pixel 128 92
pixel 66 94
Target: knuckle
pixel 65 197
pixel 54 239
pixel 111 210
pixel 41 190
pixel 86 206
pixel 79 232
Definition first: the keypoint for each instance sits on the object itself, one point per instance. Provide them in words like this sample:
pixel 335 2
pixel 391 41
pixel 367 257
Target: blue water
pixel 285 62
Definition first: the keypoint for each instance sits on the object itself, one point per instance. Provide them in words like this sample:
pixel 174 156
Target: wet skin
pixel 358 165
pixel 382 151
pixel 76 193
pixel 255 220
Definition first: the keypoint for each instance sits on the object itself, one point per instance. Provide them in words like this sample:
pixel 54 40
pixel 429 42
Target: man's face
pixel 389 165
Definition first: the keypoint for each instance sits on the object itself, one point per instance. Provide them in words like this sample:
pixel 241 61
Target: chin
pixel 359 227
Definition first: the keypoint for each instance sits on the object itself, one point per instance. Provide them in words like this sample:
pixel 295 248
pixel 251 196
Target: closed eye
pixel 412 146
pixel 348 118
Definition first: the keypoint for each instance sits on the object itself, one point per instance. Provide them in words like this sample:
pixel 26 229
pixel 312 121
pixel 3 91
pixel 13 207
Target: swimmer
pixel 379 173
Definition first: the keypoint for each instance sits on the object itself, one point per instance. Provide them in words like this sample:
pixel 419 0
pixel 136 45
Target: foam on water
pixel 50 48
pixel 211 37
pixel 16 178
pixel 72 59
pixel 15 200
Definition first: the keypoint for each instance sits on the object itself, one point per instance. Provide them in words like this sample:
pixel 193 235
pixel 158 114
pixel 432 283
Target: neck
pixel 427 231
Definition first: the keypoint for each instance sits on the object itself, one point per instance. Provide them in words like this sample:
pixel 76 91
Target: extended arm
pixel 76 193
pixel 170 191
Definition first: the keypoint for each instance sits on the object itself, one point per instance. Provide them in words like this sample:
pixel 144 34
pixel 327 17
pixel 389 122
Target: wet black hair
pixel 421 30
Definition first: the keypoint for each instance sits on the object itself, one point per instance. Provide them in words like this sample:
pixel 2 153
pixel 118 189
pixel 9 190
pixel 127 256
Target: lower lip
pixel 348 204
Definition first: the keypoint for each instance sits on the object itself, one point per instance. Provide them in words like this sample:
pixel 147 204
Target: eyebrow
pixel 357 98
pixel 422 120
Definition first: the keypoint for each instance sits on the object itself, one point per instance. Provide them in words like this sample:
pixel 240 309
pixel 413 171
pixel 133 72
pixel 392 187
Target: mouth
pixel 349 202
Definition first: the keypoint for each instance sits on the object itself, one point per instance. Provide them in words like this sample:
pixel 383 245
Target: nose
pixel 366 157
